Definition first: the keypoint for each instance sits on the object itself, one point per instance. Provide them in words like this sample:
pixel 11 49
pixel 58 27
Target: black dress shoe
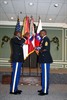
pixel 19 91
pixel 42 94
pixel 15 93
pixel 40 90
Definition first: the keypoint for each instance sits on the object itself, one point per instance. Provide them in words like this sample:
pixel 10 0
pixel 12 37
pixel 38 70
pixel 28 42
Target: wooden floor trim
pixel 34 70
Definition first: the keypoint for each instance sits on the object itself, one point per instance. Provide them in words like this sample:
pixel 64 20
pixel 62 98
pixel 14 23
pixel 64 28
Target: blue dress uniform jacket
pixel 16 49
pixel 17 61
pixel 45 59
pixel 44 53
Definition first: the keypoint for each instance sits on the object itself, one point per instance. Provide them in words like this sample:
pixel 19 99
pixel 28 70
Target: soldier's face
pixel 19 35
pixel 42 34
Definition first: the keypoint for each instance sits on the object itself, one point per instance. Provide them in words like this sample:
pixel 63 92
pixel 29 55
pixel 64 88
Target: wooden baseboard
pixel 34 70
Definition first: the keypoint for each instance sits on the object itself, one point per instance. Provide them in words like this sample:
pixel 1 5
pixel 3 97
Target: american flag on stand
pixel 18 27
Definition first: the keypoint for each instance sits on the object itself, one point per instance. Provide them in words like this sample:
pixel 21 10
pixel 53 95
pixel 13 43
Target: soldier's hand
pixel 37 52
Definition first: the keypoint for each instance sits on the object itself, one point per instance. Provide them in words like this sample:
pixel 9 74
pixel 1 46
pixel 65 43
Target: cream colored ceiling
pixel 43 8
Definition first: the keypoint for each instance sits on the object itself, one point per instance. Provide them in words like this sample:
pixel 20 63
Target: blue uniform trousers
pixel 16 71
pixel 45 77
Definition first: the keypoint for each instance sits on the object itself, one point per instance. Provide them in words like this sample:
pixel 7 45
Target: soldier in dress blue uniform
pixel 45 59
pixel 17 61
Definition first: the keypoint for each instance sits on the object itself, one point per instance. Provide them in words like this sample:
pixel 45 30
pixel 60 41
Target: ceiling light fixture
pixel 20 12
pixel 55 5
pixel 5 2
pixel 31 4
pixel 50 19
pixel 12 18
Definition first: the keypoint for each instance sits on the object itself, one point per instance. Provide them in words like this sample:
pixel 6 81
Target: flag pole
pixel 29 65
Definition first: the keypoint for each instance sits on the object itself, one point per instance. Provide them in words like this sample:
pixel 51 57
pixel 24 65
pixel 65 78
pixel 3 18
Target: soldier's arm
pixel 44 46
pixel 18 42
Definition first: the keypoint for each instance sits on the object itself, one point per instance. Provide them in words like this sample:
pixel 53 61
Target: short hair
pixel 43 30
pixel 16 32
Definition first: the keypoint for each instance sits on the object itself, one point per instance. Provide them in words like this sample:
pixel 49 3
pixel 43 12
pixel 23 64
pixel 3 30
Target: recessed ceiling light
pixel 12 18
pixel 20 12
pixel 55 5
pixel 5 2
pixel 31 4
pixel 50 19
